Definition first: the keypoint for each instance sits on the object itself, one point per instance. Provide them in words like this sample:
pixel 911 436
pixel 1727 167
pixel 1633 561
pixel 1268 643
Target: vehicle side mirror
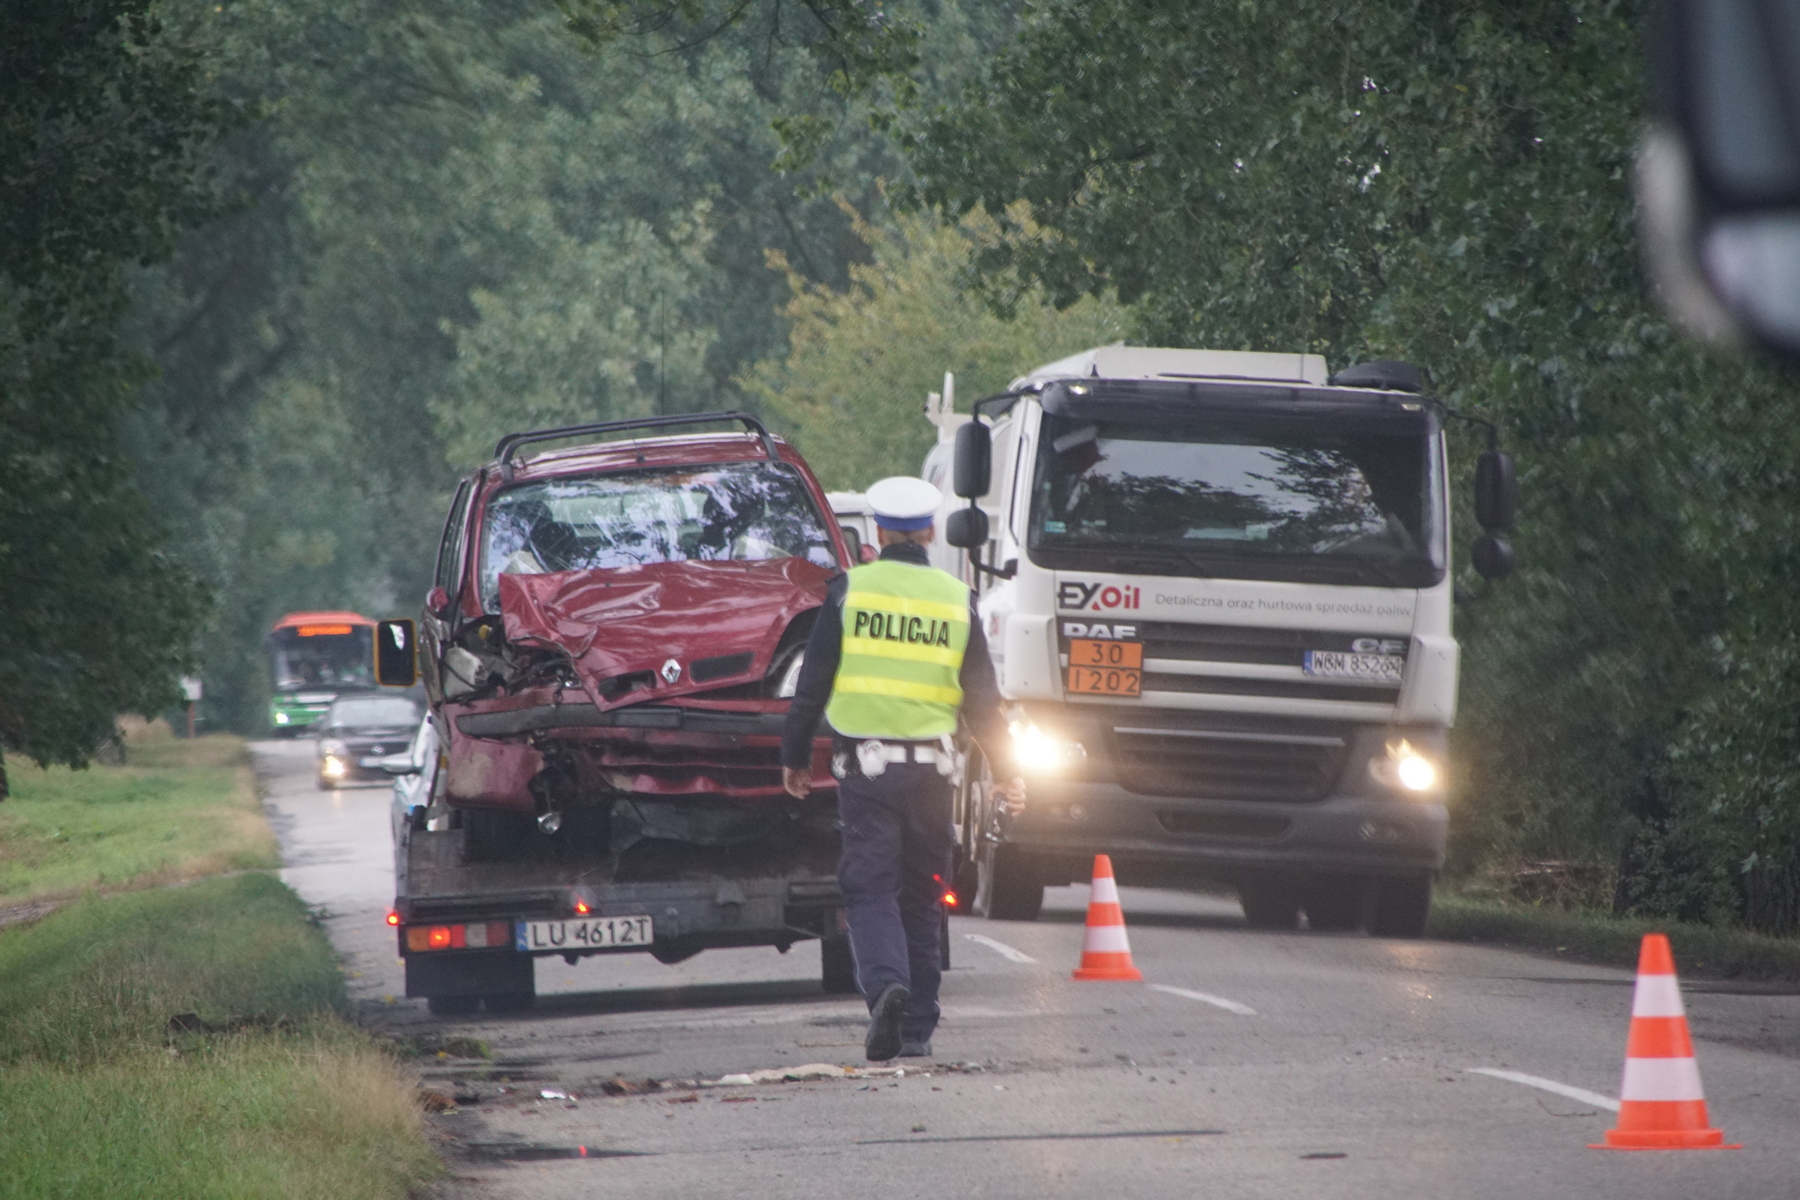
pixel 1718 177
pixel 974 465
pixel 1493 557
pixel 396 653
pixel 1496 490
pixel 967 528
pixel 398 764
pixel 437 601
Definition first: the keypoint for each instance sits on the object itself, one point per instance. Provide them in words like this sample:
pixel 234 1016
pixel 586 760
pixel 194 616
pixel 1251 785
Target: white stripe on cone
pixel 1661 1079
pixel 1657 996
pixel 1106 939
pixel 1105 890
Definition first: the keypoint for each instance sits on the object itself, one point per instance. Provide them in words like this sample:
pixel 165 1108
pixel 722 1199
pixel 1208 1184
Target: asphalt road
pixel 1247 1065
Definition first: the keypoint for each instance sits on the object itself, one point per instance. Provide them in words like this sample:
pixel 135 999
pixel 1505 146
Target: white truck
pixel 1218 590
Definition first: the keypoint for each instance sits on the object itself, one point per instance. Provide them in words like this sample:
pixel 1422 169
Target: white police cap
pixel 904 503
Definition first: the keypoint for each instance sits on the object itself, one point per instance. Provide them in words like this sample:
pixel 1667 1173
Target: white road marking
pixel 1549 1085
pixel 1231 1006
pixel 1000 948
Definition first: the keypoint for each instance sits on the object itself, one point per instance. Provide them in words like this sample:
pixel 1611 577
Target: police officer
pixel 896 653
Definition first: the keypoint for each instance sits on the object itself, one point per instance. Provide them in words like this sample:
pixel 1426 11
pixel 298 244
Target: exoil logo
pixel 1096 597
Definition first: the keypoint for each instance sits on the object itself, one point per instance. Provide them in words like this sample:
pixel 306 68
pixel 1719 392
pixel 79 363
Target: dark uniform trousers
pixel 897 841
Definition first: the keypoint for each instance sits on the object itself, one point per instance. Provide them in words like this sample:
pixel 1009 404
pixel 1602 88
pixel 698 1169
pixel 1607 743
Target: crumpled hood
pixel 635 619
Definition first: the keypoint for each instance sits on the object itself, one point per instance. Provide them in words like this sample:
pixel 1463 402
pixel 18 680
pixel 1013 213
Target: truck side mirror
pixel 437 601
pixel 966 528
pixel 396 653
pixel 1496 490
pixel 974 464
pixel 1493 557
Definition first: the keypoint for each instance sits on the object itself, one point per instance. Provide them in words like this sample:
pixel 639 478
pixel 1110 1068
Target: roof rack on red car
pixel 512 441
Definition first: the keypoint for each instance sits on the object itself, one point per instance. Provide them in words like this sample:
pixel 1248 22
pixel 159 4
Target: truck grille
pixel 1229 764
pixel 1240 646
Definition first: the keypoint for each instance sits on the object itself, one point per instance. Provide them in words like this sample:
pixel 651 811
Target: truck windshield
pixel 735 512
pixel 1238 497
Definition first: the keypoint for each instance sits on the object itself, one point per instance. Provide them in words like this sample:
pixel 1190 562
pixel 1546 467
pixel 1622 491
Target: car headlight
pixel 790 678
pixel 1042 753
pixel 334 767
pixel 1405 768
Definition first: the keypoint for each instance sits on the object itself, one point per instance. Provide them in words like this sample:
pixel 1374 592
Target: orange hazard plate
pixel 1086 652
pixel 1105 681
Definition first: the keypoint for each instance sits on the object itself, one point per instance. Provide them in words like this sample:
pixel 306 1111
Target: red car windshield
pixel 728 512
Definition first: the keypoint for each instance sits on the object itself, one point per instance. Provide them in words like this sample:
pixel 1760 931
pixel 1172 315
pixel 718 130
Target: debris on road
pixel 435 1102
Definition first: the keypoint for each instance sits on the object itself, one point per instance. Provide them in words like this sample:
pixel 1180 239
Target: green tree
pixel 103 124
pixel 851 389
pixel 466 220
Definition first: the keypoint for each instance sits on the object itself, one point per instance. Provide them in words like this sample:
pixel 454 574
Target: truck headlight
pixel 1405 768
pixel 1043 753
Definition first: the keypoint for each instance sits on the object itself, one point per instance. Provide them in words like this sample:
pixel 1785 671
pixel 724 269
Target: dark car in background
pixel 358 730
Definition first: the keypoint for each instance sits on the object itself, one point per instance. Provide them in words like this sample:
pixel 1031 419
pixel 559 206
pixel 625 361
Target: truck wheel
pixel 1401 907
pixel 452 1006
pixel 1333 903
pixel 1009 888
pixel 837 966
pixel 490 834
pixel 1270 903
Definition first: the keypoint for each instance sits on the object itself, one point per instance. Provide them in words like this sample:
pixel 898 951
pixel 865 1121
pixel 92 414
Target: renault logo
pixel 671 671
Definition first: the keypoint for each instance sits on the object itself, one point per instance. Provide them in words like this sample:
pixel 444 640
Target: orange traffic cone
pixel 1660 1105
pixel 1105 950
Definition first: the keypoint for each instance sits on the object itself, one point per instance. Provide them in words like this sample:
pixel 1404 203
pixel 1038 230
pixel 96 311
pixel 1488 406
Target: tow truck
pixel 609 650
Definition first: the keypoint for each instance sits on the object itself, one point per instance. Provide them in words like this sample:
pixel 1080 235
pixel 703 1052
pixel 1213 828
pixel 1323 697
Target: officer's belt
pixel 899 752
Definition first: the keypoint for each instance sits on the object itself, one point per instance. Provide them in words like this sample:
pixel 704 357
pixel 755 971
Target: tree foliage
pixel 102 128
pixel 466 220
pixel 851 389
pixel 1446 181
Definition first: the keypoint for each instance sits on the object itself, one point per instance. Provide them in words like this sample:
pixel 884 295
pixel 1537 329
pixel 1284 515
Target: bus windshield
pixel 329 657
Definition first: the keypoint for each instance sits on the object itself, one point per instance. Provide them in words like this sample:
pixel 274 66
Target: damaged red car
pixel 609 651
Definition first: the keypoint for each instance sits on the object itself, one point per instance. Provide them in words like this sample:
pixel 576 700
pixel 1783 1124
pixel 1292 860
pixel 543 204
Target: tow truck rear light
pixel 487 935
pixel 393 917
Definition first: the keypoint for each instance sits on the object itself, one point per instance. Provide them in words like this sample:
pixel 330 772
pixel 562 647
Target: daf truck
pixel 1218 587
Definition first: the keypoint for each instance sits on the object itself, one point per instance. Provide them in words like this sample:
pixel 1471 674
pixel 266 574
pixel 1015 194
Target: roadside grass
pixel 1585 935
pixel 99 1097
pixel 179 809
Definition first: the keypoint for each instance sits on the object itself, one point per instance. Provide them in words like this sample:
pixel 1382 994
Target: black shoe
pixel 915 1049
pixel 885 1015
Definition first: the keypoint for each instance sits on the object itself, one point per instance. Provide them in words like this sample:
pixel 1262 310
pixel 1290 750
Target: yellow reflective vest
pixel 905 630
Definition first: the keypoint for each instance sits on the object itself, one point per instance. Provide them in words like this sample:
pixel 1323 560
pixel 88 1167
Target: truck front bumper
pixel 1173 839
